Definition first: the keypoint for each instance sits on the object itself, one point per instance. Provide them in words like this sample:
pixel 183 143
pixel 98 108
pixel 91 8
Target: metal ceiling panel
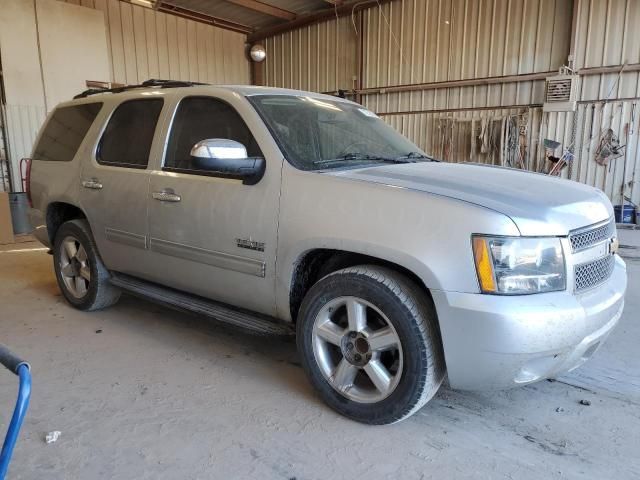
pixel 226 11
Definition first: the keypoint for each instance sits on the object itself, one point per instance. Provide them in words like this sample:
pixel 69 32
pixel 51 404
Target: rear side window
pixel 126 141
pixel 65 131
pixel 201 118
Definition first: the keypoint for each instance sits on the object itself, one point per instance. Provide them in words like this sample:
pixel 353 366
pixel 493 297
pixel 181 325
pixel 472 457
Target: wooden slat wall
pixel 147 44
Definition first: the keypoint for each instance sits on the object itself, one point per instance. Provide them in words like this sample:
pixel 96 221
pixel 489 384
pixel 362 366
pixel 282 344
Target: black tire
pixel 100 293
pixel 411 313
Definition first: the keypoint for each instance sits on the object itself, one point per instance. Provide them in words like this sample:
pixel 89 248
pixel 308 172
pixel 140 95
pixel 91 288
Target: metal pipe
pixel 457 83
pixel 24 393
pixel 525 77
pixel 461 109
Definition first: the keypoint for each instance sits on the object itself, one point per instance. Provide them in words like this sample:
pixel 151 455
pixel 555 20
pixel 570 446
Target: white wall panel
pixel 22 79
pixel 144 43
pixel 20 58
pixel 23 124
pixel 73 49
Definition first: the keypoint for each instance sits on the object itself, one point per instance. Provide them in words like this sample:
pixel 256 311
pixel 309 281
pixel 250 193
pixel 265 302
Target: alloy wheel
pixel 357 349
pixel 74 267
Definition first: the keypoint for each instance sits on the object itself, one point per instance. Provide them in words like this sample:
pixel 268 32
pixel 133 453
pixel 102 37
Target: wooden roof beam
pixel 265 8
pixel 167 7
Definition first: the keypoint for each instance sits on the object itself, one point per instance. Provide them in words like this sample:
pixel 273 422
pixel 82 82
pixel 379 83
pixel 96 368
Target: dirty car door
pixel 213 236
pixel 114 184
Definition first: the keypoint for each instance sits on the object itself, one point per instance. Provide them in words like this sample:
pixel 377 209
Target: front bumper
pixel 493 342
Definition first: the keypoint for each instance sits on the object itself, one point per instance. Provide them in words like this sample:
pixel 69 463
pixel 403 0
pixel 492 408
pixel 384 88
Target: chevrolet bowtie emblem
pixel 614 244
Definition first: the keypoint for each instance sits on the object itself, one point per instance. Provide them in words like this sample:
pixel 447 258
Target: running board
pixel 253 322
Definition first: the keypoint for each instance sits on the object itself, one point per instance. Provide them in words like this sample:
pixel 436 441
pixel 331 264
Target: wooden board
pixel 6 229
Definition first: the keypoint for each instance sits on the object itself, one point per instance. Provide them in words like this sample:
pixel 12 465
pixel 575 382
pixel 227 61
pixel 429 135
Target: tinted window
pixel 65 131
pixel 126 141
pixel 200 118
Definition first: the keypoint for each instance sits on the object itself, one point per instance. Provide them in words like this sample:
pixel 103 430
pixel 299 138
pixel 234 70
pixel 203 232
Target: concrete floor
pixel 142 392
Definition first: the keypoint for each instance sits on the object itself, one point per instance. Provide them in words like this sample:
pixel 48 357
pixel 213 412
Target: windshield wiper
pixel 416 156
pixel 361 156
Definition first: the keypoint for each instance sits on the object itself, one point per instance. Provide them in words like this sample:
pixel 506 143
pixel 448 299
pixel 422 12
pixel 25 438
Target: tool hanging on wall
pixel 557 163
pixel 515 141
pixel 609 148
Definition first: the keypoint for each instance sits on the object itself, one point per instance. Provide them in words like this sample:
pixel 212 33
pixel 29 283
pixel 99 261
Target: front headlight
pixel 519 265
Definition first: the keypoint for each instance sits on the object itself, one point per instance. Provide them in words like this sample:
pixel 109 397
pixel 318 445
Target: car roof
pixel 243 90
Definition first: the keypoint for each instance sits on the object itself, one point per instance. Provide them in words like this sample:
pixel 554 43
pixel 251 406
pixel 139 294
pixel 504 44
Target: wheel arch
pixel 58 213
pixel 314 264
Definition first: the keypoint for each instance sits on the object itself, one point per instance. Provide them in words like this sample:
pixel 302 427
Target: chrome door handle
pixel 93 184
pixel 166 195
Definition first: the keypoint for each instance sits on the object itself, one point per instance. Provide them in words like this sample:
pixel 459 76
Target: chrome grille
pixel 585 238
pixel 591 274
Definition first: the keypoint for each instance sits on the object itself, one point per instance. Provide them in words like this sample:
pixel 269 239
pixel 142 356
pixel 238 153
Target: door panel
pixel 117 213
pixel 115 185
pixel 194 243
pixel 215 237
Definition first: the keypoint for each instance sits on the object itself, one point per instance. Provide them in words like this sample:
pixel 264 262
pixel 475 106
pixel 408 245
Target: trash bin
pixel 624 213
pixel 19 204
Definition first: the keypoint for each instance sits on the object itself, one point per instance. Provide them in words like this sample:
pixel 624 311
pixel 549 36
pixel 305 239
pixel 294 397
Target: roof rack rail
pixel 153 82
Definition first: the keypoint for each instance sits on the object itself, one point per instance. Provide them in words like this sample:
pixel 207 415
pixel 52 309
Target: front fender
pixel 429 235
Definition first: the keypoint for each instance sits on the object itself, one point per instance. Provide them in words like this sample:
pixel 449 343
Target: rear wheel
pixel 370 344
pixel 82 277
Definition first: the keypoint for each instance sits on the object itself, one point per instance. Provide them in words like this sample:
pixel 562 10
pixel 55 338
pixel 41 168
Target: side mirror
pixel 228 159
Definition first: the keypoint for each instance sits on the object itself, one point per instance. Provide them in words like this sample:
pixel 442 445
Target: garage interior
pixel 140 391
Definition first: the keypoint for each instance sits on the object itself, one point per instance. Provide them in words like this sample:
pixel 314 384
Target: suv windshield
pixel 317 134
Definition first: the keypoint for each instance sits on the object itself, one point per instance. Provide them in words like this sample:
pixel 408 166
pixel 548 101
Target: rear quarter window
pixel 65 131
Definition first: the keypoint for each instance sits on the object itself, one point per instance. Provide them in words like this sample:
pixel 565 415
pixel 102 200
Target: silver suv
pixel 285 212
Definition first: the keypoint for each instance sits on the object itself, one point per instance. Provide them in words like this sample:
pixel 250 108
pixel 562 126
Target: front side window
pixel 316 134
pixel 202 118
pixel 126 141
pixel 64 132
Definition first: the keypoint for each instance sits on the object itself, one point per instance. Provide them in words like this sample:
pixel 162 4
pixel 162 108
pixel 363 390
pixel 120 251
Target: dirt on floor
pixel 141 392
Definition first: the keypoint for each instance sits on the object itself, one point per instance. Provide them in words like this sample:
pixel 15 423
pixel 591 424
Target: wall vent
pixel 560 94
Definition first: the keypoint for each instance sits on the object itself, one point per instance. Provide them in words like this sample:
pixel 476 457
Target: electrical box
pixel 561 93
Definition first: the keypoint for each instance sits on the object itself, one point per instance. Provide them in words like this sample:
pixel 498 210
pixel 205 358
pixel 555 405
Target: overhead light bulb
pixel 258 53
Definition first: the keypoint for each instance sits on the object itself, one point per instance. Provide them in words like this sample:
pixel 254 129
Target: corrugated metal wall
pixel 320 58
pixel 23 124
pixel 608 34
pixel 408 42
pixel 144 44
pixel 421 41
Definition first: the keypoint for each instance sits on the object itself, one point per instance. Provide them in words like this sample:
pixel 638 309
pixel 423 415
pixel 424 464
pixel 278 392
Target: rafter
pixel 265 8
pixel 204 18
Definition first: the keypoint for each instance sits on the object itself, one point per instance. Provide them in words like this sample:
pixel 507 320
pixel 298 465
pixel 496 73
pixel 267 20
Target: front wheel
pixel 370 344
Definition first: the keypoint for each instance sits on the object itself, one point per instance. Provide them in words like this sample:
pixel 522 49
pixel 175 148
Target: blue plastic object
pixel 624 213
pixel 19 412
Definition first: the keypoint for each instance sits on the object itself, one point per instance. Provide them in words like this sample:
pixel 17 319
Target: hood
pixel 538 204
